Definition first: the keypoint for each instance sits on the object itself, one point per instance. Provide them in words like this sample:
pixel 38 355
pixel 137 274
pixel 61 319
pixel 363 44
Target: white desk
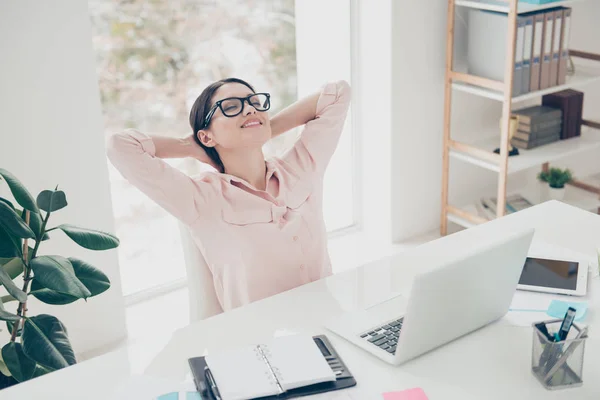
pixel 491 363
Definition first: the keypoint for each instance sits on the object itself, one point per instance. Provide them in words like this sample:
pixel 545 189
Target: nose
pixel 247 109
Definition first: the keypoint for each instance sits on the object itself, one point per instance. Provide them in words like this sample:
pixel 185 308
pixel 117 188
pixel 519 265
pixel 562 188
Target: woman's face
pixel 250 128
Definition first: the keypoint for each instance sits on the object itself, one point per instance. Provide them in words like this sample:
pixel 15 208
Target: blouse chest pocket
pixel 261 215
pixel 297 197
pixel 267 212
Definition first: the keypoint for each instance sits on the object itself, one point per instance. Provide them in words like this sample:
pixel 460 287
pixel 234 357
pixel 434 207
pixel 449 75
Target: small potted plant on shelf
pixel 557 179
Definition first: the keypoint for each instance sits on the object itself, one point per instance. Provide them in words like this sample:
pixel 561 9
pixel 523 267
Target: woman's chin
pixel 255 135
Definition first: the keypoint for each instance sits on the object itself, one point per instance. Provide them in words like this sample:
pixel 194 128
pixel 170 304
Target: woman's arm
pixel 296 114
pixel 136 156
pixel 168 147
pixel 324 125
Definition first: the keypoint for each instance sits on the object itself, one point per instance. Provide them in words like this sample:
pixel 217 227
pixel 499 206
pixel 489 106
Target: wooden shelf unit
pixel 479 155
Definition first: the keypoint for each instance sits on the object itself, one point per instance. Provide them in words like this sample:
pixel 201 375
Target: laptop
pixel 456 293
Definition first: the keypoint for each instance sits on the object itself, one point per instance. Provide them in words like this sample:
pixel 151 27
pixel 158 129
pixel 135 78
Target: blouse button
pixel 295 238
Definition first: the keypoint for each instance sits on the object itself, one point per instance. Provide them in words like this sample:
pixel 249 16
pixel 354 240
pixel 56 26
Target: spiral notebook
pixel 286 367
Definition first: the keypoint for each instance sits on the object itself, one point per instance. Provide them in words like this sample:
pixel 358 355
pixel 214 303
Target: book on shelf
pixel 540 126
pixel 536 142
pixel 541 134
pixel 487 206
pixel 541 48
pixel 570 102
pixel 533 115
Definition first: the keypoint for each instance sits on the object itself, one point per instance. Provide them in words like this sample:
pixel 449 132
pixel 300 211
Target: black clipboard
pixel 344 378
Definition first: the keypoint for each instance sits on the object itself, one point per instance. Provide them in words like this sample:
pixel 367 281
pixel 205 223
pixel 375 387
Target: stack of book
pixel 538 125
pixel 486 207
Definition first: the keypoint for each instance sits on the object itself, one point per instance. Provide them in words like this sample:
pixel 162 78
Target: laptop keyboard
pixel 386 336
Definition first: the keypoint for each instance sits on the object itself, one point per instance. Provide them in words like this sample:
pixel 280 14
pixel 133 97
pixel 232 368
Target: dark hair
pixel 202 107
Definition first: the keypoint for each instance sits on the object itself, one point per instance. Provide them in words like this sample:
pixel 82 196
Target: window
pixel 153 60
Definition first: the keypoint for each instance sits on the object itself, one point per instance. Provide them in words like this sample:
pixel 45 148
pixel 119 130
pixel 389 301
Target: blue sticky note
pixel 169 396
pixel 558 309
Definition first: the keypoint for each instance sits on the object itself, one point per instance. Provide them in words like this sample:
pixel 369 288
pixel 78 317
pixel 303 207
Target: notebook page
pixel 241 374
pixel 298 362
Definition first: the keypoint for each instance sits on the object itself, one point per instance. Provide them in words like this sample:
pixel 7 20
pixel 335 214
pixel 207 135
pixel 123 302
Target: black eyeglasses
pixel 232 106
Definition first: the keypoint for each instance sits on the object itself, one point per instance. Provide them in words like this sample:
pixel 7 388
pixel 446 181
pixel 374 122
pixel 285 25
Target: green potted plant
pixel 39 344
pixel 557 179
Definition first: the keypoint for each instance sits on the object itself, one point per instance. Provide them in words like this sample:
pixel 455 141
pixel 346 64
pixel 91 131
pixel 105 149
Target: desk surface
pixel 491 363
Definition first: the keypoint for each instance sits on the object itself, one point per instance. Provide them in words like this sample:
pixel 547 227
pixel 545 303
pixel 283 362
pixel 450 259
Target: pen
pixel 542 327
pixel 566 324
pixel 565 355
pixel 212 385
pixel 555 350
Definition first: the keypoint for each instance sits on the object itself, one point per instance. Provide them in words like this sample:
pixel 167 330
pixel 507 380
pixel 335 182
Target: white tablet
pixel 554 275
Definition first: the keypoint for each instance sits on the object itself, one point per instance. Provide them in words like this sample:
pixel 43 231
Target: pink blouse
pixel 256 243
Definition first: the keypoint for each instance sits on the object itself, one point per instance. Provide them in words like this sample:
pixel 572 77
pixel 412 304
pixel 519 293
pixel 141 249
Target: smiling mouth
pixel 252 124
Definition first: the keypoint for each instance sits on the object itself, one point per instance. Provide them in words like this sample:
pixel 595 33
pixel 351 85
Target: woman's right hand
pixel 169 147
pixel 196 151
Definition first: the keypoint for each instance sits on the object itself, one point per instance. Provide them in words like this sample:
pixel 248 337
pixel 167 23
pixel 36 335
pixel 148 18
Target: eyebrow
pixel 236 97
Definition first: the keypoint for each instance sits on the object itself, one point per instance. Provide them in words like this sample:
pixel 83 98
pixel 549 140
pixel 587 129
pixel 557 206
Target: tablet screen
pixel 550 273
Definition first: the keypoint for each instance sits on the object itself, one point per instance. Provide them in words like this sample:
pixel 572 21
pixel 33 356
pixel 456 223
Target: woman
pixel 258 223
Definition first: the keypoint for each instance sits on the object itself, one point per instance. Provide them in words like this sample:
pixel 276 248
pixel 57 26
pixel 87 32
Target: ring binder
pixel 344 378
pixel 261 350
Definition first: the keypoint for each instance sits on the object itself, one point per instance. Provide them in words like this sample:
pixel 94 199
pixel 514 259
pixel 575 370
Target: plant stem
pixel 22 309
pixel 42 232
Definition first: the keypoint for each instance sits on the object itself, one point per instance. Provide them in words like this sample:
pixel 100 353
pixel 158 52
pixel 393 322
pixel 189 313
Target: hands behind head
pixel 198 153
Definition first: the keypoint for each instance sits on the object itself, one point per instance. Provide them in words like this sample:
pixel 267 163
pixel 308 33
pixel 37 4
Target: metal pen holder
pixel 558 365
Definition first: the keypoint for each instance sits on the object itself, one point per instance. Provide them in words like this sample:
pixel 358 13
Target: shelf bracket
pixel 584 54
pixel 585 186
pixel 591 124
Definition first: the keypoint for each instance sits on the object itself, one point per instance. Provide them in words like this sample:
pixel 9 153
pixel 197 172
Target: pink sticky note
pixel 410 394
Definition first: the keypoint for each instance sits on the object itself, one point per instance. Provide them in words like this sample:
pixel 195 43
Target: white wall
pixel 418 60
pixel 52 133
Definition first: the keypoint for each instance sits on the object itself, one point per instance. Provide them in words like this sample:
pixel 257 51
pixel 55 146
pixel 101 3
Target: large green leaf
pixel 12 268
pixel 21 367
pixel 52 200
pixel 7 299
pixel 10 246
pixel 7 316
pixel 3 368
pixel 8 283
pixel 2 199
pixel 20 193
pixel 46 342
pixel 50 296
pixel 89 238
pixel 93 279
pixel 13 224
pixel 56 273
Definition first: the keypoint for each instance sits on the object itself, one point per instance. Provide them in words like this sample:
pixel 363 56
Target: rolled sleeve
pixel 320 136
pixel 133 154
